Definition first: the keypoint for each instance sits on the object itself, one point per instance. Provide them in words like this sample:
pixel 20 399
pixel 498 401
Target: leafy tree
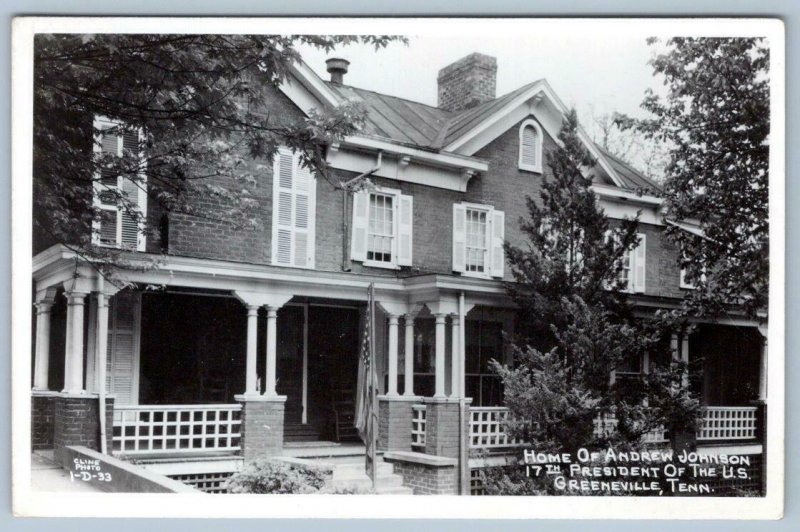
pixel 715 116
pixel 203 106
pixel 578 325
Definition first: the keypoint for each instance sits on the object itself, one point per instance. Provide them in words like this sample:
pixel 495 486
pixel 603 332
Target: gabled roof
pixel 425 127
pixel 466 120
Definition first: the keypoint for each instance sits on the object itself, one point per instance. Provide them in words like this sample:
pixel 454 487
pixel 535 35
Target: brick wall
pixel 427 480
pixel 505 187
pixel 262 428
pixel 43 411
pixel 77 422
pixel 394 424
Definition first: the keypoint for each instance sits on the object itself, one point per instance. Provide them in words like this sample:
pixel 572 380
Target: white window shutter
pixel 404 230
pixel 304 215
pixel 496 242
pixel 282 203
pixel 459 237
pixel 122 373
pixel 360 224
pixel 638 264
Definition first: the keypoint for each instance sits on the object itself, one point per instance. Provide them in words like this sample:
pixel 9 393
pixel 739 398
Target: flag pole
pixel 373 381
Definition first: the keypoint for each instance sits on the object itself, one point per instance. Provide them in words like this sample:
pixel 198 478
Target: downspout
pixel 347 189
pixel 100 353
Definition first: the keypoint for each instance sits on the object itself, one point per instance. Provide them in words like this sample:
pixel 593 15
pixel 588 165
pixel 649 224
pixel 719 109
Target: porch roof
pixel 57 265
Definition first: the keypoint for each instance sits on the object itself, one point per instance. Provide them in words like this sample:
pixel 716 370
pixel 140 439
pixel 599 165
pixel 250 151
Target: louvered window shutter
pixel 459 237
pixel 404 230
pixel 304 215
pixel 132 231
pixel 498 236
pixel 119 225
pixel 294 197
pixel 123 346
pixel 638 262
pixel 358 249
pixel 528 147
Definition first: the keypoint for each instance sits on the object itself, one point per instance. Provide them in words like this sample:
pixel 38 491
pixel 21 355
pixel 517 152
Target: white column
pixel 42 359
pixel 440 338
pixel 455 358
pixel 73 356
pixel 685 356
pixel 272 350
pixel 251 378
pixel 393 340
pixel 408 388
pixel 673 346
pixel 762 375
pixel 101 341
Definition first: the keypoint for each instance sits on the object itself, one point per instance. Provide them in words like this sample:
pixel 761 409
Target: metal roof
pixel 427 127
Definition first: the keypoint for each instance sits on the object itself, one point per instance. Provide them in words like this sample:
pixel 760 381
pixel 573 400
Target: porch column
pixel 440 358
pixel 251 379
pixel 673 346
pixel 455 359
pixel 762 375
pixel 408 387
pixel 272 350
pixel 73 356
pixel 685 355
pixel 101 341
pixel 392 389
pixel 42 359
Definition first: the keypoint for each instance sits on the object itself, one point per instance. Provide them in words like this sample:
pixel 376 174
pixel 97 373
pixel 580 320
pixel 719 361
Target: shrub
pixel 274 476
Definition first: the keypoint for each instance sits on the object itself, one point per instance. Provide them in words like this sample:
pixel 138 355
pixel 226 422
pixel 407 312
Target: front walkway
pixel 46 475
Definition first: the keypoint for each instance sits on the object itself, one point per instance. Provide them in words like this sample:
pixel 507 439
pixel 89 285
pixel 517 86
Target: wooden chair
pixel 343 407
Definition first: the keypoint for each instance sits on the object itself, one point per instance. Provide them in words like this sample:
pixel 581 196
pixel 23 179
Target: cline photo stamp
pixel 400 262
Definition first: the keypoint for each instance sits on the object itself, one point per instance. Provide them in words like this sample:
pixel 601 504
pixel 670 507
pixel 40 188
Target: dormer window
pixel 530 146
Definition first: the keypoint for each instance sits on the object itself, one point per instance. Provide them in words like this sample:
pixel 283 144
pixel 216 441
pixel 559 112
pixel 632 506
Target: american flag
pixel 367 386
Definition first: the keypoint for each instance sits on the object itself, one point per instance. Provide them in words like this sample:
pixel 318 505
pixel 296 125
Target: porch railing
pixel 418 419
pixel 728 423
pixel 487 428
pixel 157 429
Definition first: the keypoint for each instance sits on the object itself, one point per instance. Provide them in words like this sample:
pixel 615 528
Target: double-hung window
pixel 293 211
pixel 119 197
pixel 382 228
pixel 633 273
pixel 478 234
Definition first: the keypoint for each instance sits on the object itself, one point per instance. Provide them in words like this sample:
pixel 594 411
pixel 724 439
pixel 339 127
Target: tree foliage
pixel 202 103
pixel 577 325
pixel 715 115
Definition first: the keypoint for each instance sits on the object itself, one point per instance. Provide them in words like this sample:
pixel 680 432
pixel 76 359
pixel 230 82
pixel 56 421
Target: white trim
pixel 530 122
pixel 530 102
pixel 442 159
pixel 304 415
pixel 488 261
pixel 395 194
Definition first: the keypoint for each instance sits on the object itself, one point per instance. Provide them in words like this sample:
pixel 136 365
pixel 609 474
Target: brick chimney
pixel 337 68
pixel 468 82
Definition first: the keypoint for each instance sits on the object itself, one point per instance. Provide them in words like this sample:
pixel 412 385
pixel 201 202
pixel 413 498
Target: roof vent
pixel 337 68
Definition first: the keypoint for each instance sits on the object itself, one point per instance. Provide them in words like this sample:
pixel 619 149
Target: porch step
pixel 349 473
pixel 298 432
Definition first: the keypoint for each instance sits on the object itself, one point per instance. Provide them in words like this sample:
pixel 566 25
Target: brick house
pixel 252 344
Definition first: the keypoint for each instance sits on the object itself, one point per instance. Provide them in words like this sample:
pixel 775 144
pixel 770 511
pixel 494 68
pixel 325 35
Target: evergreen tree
pixel 577 325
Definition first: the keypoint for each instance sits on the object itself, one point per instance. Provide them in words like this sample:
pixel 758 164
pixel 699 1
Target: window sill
pixel 527 168
pixel 292 266
pixel 477 275
pixel 383 265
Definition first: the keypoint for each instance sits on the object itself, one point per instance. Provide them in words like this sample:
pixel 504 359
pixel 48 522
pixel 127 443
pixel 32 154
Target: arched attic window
pixel 530 146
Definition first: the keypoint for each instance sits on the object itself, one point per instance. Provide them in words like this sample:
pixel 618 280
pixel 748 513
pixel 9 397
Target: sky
pixel 595 74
